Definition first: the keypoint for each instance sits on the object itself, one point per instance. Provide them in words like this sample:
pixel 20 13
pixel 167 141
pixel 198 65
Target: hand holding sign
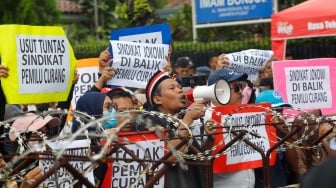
pixel 104 60
pixel 249 61
pixel 3 71
pixel 107 74
pixel 31 176
pixel 136 63
pixel 222 62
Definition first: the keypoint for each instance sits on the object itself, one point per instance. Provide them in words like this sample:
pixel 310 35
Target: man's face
pixel 236 89
pixel 172 98
pixel 182 71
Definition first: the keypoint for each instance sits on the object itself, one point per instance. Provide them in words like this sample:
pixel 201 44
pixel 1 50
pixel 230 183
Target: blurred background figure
pixel 184 67
pixel 289 55
pixel 213 62
pixel 203 70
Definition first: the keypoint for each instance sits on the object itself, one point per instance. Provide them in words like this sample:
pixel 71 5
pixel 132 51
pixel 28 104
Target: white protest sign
pixel 240 151
pixel 308 87
pixel 87 70
pixel 136 63
pixel 249 61
pixel 43 63
pixel 87 78
pixel 62 177
pixel 130 173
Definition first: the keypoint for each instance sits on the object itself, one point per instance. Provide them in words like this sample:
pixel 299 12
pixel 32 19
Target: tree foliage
pixel 138 12
pixel 30 12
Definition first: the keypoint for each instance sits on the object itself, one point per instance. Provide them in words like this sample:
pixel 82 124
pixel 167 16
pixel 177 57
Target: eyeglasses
pixel 110 106
pixel 237 87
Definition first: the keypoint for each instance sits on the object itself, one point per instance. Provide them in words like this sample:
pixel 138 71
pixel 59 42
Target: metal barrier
pixel 158 167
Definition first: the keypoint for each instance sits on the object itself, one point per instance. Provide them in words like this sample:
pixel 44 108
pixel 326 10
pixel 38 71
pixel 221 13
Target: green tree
pixel 181 24
pixel 137 12
pixel 30 12
pixel 100 16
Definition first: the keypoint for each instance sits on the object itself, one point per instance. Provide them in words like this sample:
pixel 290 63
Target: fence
pixel 201 52
pixel 152 168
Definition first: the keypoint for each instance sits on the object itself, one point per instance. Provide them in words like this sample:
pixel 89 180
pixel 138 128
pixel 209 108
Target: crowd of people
pixel 164 94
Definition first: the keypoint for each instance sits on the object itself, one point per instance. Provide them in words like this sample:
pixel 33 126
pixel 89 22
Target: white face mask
pixel 31 107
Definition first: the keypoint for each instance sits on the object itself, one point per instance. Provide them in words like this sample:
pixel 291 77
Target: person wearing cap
pixel 203 70
pixel 242 178
pixel 184 67
pixel 165 95
pixel 26 123
pixel 273 97
pixel 278 174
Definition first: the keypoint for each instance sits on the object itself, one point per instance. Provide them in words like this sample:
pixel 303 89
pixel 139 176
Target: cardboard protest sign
pixel 136 63
pixel 41 63
pixel 241 156
pixel 62 177
pixel 88 75
pixel 126 171
pixel 307 84
pixel 249 61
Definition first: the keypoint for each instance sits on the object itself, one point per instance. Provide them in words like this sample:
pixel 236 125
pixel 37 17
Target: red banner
pixel 126 171
pixel 240 155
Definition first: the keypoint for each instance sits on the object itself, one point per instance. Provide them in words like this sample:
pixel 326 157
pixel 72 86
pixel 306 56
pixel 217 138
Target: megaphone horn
pixel 219 91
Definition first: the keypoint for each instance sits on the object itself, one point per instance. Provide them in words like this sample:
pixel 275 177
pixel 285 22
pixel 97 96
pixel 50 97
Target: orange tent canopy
pixel 312 18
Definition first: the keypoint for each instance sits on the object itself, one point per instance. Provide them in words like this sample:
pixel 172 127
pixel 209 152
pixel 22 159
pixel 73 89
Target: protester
pixel 265 83
pixel 184 67
pixel 267 71
pixel 289 55
pixel 249 93
pixel 165 95
pixel 242 178
pixel 95 104
pixel 315 132
pixel 213 62
pixel 124 103
pixel 203 70
pixel 278 174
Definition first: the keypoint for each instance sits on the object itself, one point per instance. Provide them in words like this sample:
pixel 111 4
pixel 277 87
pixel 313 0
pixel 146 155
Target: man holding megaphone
pixel 164 94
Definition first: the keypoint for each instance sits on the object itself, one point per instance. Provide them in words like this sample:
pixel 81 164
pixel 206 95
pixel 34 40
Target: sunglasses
pixel 237 87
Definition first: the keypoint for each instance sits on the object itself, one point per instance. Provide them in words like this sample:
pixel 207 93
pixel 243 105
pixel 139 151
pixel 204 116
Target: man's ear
pixel 157 100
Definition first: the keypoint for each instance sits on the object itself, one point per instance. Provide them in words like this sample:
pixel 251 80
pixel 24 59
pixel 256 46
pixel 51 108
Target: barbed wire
pixel 226 127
